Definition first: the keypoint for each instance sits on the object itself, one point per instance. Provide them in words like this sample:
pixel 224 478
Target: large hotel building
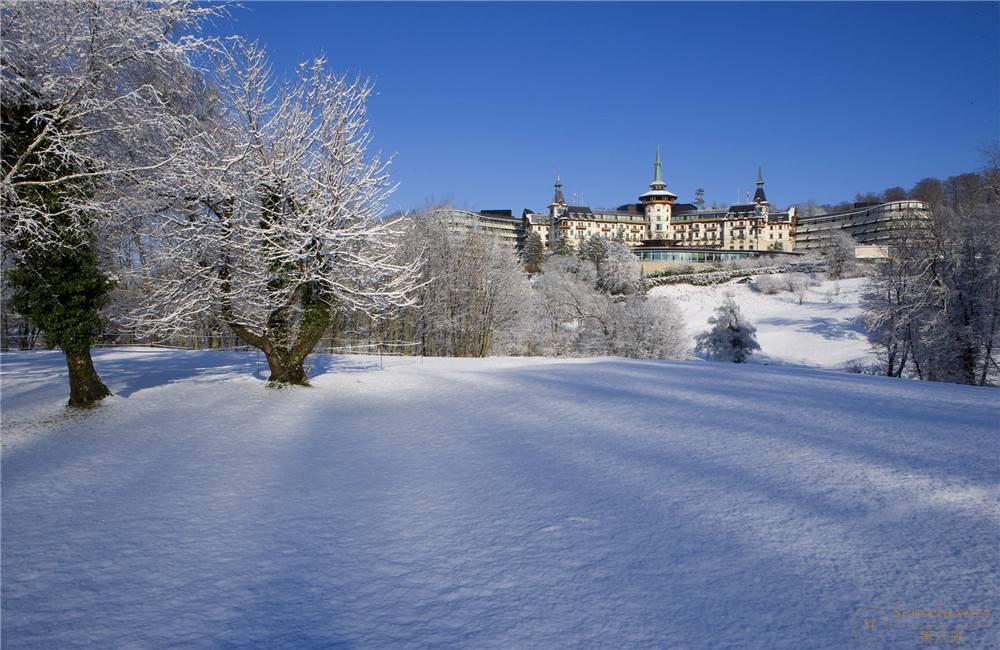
pixel 661 229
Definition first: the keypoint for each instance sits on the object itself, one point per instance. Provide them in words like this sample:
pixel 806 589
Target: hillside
pixel 506 503
pixel 825 331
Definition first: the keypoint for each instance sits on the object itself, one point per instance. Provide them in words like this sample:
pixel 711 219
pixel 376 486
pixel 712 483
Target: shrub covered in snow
pixel 768 284
pixel 574 313
pixel 716 276
pixel 731 337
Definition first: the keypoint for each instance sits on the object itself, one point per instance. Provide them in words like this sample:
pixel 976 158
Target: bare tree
pixel 929 190
pixel 894 194
pixel 474 290
pixel 838 253
pixel 285 227
pixel 933 308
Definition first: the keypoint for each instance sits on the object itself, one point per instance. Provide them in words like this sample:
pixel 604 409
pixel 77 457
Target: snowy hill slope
pixel 816 333
pixel 509 503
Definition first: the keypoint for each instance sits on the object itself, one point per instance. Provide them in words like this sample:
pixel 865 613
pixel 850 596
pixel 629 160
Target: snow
pixel 509 503
pixel 816 333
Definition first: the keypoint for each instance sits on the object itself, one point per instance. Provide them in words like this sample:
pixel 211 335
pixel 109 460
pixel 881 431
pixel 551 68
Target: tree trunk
pixel 286 368
pixel 85 386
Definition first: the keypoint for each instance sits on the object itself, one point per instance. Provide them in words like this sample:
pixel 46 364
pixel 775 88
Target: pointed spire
pixel 657 183
pixel 759 196
pixel 558 199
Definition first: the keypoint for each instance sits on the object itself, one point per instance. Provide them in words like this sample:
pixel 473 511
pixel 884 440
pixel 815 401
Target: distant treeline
pixel 960 192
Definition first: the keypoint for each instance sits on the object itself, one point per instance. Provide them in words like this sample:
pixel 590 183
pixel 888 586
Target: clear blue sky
pixel 483 103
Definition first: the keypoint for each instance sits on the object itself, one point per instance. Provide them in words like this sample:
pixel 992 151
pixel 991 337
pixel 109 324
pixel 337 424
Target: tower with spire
pixel 759 198
pixel 657 204
pixel 558 200
pixel 556 209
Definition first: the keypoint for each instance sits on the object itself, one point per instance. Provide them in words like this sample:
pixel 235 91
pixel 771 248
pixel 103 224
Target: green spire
pixel 760 175
pixel 657 183
pixel 558 197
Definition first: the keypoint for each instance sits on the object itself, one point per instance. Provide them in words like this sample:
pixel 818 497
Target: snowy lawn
pixel 816 333
pixel 511 503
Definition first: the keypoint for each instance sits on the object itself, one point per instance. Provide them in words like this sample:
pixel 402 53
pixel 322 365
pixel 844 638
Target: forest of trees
pixel 164 183
pixel 932 309
pixel 958 193
pixel 162 186
pixel 477 297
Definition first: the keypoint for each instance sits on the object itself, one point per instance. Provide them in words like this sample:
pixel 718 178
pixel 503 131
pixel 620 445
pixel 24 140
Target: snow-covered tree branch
pixel 95 113
pixel 284 227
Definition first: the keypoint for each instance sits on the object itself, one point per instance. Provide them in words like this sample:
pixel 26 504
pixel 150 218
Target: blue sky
pixel 483 103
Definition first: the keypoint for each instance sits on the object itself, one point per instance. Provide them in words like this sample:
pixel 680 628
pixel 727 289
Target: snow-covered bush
pixel 578 317
pixel 708 276
pixel 731 337
pixel 832 293
pixel 769 284
pixel 798 284
pixel 648 328
pixel 618 269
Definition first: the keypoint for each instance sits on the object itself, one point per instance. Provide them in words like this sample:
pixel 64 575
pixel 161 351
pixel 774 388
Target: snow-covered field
pixel 510 503
pixel 816 333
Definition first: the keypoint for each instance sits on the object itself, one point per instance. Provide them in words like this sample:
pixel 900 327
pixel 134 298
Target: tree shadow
pixel 321 363
pixel 129 371
pixel 834 329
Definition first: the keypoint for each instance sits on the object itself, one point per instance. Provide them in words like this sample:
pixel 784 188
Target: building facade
pixel 661 229
pixel 500 223
pixel 658 220
pixel 870 224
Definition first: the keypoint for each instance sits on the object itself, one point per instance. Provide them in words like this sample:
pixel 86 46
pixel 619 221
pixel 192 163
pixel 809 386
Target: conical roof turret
pixel 558 198
pixel 759 196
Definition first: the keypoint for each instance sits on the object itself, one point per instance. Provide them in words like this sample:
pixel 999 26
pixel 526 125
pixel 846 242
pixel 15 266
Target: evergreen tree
pixel 699 198
pixel 62 290
pixel 731 338
pixel 94 120
pixel 534 253
pixel 562 246
pixel 58 286
pixel 592 249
